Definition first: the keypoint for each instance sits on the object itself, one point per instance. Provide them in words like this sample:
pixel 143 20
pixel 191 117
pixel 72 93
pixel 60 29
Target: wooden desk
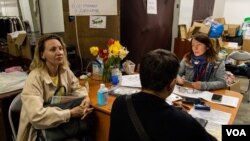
pixel 103 112
pixel 5 100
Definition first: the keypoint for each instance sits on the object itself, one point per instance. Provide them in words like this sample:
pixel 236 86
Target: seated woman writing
pixel 201 67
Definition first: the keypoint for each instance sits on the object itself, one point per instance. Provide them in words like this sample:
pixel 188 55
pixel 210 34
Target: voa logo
pixel 236 132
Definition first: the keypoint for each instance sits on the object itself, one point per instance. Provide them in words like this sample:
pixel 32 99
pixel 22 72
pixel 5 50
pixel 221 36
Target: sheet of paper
pixel 233 45
pixel 206 95
pixel 131 80
pixel 214 129
pixel 187 92
pixel 215 120
pixel 226 100
pixel 120 90
pixel 152 6
pixel 213 115
pixel 171 98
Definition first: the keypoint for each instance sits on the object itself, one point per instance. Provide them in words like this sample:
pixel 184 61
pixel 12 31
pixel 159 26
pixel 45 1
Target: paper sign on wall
pixel 97 21
pixel 152 6
pixel 92 7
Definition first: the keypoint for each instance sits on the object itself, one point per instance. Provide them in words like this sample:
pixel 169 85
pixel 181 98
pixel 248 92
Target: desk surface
pixel 103 112
pixel 94 86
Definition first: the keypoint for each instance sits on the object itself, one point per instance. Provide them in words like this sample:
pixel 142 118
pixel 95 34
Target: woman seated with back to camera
pixel 201 67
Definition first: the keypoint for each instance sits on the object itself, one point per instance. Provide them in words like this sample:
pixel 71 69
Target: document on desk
pixel 213 115
pixel 226 100
pixel 171 98
pixel 187 92
pixel 215 119
pixel 214 129
pixel 131 80
pixel 206 95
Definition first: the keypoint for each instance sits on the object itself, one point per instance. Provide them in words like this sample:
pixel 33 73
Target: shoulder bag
pixel 135 120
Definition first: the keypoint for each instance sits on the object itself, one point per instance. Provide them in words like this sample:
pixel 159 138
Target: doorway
pixel 142 32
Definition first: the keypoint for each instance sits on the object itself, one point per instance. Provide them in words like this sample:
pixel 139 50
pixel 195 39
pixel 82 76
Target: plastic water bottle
pixel 102 95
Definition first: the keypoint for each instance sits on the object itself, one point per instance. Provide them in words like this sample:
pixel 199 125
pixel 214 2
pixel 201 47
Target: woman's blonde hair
pixel 37 61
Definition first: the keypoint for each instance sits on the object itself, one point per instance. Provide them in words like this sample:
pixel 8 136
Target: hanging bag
pixel 75 128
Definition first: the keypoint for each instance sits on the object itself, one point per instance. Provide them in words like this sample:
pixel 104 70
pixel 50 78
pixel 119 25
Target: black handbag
pixel 75 128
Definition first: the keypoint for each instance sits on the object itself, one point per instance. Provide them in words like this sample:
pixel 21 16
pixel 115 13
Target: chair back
pixel 240 55
pixel 15 106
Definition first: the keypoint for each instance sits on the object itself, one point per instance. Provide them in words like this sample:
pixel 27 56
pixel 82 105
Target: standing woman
pixel 50 75
pixel 201 66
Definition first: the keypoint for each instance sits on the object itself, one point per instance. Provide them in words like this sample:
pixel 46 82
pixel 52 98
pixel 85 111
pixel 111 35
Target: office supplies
pixel 216 97
pixel 201 107
pixel 191 100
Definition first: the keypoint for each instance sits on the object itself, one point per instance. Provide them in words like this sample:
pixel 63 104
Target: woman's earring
pixel 43 58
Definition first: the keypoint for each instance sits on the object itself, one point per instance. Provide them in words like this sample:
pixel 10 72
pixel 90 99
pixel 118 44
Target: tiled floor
pixel 243 115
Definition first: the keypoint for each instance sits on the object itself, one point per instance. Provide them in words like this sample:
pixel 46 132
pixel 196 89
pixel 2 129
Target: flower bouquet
pixel 110 57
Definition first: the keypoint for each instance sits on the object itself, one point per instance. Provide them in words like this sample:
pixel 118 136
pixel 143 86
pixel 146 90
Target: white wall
pixel 175 22
pixel 9 8
pixel 52 16
pixel 26 12
pixel 186 12
pixel 236 10
pixel 219 6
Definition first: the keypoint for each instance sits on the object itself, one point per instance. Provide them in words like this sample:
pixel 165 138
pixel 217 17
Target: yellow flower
pixel 94 50
pixel 117 45
pixel 114 50
pixel 123 53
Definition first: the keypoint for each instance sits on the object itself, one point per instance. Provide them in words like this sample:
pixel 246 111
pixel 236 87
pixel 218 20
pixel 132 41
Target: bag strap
pixel 136 121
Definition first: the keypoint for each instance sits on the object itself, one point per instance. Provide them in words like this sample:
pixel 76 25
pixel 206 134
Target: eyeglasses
pixel 187 90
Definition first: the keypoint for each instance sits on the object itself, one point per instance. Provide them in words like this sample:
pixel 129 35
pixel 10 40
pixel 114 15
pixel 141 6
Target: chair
pixel 241 55
pixel 15 106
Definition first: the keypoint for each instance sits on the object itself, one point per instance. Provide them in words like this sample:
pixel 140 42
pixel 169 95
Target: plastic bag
pixel 216 30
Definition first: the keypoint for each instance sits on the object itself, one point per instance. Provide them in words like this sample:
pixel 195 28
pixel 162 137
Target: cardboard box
pixel 220 20
pixel 235 86
pixel 217 43
pixel 246 45
pixel 182 31
pixel 12 48
pixel 233 29
pixel 230 47
pixel 18 45
pixel 198 27
pixel 225 32
pixel 203 28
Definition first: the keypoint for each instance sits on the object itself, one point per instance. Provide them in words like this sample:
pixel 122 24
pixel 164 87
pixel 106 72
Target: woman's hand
pixel 180 80
pixel 85 102
pixel 80 111
pixel 76 112
pixel 196 85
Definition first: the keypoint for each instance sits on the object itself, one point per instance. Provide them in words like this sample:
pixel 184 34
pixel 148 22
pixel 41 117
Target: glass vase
pixel 106 75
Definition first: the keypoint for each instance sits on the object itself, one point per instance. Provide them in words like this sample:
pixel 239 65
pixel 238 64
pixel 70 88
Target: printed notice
pixel 92 7
pixel 152 6
pixel 97 21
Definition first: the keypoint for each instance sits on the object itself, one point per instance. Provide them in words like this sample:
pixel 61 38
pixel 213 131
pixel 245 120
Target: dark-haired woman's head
pixel 202 45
